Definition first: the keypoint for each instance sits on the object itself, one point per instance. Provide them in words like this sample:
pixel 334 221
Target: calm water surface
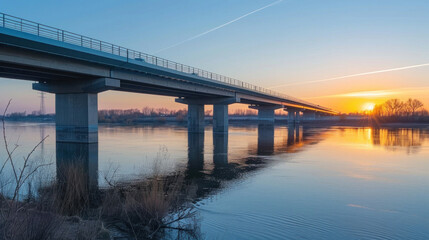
pixel 273 183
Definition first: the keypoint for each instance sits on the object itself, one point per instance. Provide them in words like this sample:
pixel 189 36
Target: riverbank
pixel 252 121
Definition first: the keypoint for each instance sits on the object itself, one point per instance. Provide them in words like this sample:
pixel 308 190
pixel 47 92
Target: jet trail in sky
pixel 353 75
pixel 218 27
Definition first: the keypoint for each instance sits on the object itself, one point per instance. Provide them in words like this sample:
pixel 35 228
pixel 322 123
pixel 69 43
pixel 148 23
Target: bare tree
pixel 413 105
pixel 378 110
pixel 394 107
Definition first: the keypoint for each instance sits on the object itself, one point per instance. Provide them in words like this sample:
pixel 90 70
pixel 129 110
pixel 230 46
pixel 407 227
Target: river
pixel 331 182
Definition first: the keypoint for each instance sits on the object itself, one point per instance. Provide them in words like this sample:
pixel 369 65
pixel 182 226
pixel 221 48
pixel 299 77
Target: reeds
pixel 70 208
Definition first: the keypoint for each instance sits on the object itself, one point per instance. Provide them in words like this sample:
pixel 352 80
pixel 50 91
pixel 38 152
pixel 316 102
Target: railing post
pixel 38 29
pixel 21 25
pixel 127 54
pixel 62 35
pixel 4 23
pixel 81 41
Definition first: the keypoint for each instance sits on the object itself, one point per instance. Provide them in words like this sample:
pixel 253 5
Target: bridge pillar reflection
pixel 195 151
pixel 220 149
pixel 77 163
pixel 265 139
pixel 291 134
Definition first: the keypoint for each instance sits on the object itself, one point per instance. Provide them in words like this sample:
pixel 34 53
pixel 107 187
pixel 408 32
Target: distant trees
pixel 398 108
pixel 244 112
pixel 413 106
pixel 132 115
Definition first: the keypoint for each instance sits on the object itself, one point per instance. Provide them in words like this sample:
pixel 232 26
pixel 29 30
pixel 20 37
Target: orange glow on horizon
pixel 368 107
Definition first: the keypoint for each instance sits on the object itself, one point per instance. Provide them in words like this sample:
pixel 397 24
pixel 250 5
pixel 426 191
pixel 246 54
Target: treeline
pixel 398 108
pixel 156 114
pixel 132 115
pixel 135 115
pixel 34 116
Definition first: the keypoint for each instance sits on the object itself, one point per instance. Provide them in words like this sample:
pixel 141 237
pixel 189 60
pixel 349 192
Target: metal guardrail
pixel 22 25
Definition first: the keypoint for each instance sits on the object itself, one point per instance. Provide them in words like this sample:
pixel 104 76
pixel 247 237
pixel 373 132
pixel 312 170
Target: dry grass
pixel 20 221
pixel 145 209
pixel 140 210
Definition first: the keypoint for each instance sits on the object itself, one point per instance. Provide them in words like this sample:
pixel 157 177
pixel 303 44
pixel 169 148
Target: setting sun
pixel 368 107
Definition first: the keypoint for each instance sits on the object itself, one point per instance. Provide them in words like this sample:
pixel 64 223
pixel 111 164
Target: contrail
pixel 353 75
pixel 218 27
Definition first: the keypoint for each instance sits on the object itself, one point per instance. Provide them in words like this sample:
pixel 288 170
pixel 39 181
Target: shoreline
pixel 252 122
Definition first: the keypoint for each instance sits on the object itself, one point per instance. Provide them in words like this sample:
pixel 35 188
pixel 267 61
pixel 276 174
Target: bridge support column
pixel 220 118
pixel 196 112
pixel 298 117
pixel 195 117
pixel 266 114
pixel 309 116
pixel 76 117
pixel 76 107
pixel 291 118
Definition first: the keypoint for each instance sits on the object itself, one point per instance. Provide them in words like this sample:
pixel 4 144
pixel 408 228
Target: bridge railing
pixel 22 25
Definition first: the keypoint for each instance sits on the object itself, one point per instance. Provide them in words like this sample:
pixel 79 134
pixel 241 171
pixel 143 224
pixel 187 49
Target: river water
pixel 269 183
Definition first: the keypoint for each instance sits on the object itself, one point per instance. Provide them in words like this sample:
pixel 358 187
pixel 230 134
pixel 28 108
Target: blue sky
pixel 292 41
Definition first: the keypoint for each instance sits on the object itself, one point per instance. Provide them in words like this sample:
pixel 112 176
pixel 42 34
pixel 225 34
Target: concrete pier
pixel 291 116
pixel 196 118
pixel 298 117
pixel 309 115
pixel 266 113
pixel 220 118
pixel 266 116
pixel 76 117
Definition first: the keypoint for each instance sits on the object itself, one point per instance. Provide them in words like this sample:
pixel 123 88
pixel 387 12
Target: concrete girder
pixel 209 101
pixel 89 86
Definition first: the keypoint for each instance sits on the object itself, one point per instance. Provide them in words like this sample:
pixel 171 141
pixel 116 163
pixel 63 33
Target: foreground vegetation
pixel 69 207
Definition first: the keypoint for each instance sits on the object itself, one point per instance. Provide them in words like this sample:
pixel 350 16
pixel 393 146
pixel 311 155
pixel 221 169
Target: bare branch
pixel 5 140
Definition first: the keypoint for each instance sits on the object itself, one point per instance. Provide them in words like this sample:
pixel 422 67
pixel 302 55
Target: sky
pixel 340 54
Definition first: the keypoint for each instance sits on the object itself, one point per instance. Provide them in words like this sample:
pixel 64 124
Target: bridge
pixel 76 68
